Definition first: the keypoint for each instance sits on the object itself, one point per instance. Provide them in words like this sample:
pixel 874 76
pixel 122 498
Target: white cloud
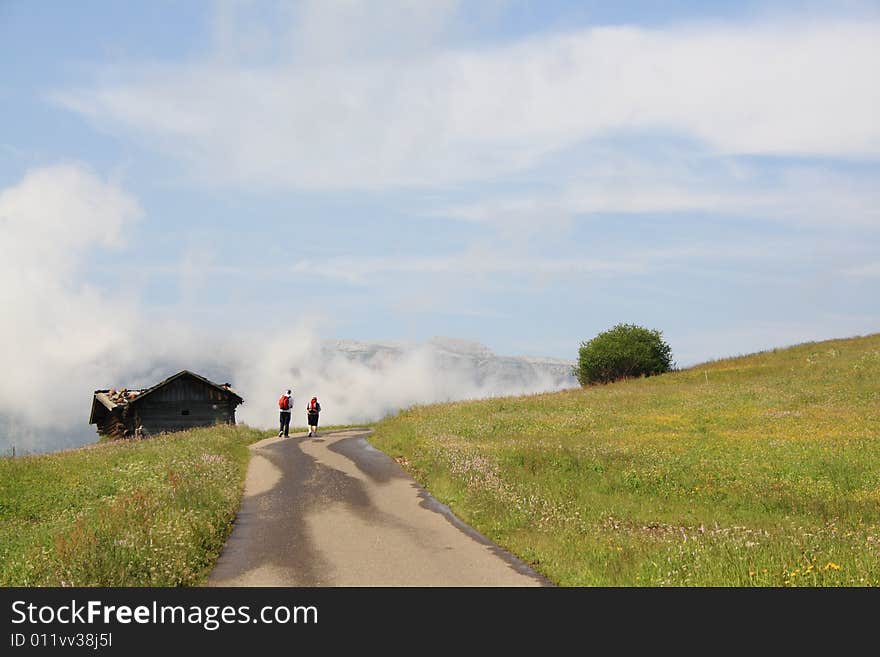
pixel 359 270
pixel 362 119
pixel 314 32
pixel 797 195
pixel 57 329
pixel 341 30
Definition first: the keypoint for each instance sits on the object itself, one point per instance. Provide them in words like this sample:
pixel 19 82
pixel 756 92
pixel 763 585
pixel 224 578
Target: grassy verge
pixel 154 512
pixel 760 470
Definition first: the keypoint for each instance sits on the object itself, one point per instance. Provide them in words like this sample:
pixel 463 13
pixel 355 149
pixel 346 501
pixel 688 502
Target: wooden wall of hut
pixel 182 404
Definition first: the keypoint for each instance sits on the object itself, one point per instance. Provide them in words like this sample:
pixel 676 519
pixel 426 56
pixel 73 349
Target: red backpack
pixel 313 405
pixel 284 403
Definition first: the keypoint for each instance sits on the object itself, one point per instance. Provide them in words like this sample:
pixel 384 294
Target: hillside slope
pixel 759 470
pixel 127 513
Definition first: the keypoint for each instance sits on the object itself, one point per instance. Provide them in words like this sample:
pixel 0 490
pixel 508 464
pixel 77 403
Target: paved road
pixel 334 511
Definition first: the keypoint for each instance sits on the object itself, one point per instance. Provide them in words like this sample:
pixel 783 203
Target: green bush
pixel 621 352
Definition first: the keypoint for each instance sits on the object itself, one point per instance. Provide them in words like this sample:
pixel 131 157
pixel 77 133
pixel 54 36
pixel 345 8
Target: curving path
pixel 334 511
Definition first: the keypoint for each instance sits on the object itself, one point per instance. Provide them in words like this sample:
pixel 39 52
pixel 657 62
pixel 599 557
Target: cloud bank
pixel 362 382
pixel 58 328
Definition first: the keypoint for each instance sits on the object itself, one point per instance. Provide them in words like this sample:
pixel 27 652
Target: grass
pixel 152 512
pixel 762 470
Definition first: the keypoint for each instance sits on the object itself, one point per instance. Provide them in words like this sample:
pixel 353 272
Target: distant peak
pixel 460 346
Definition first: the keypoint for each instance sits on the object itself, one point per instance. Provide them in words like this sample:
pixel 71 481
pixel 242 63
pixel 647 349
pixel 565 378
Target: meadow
pixel 152 512
pixel 762 470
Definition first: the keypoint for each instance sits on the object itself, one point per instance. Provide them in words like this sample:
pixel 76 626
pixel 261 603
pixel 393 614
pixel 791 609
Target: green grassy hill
pixel 152 512
pixel 759 470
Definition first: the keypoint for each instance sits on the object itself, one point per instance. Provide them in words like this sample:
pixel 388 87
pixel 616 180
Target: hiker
pixel 285 404
pixel 313 409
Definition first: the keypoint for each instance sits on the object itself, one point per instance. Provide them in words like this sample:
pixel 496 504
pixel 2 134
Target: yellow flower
pixel 831 565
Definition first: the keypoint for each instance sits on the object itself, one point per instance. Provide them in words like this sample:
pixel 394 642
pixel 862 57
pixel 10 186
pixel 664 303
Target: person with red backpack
pixel 285 405
pixel 312 410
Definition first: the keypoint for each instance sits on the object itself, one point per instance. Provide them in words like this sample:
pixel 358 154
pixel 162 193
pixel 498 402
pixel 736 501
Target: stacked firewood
pixel 122 396
pixel 114 427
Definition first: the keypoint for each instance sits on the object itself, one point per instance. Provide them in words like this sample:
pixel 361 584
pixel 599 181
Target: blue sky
pixel 524 174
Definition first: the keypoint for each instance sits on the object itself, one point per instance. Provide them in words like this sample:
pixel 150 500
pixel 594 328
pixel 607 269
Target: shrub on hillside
pixel 620 352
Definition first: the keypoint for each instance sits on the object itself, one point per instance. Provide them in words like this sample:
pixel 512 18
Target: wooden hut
pixel 182 401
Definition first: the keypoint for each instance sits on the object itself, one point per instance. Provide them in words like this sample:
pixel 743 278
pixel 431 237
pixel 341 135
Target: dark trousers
pixel 313 419
pixel 284 420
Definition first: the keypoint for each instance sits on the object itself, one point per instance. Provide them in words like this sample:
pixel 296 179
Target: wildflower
pixel 831 566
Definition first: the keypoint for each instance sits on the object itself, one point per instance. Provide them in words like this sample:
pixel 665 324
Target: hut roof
pixel 112 398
